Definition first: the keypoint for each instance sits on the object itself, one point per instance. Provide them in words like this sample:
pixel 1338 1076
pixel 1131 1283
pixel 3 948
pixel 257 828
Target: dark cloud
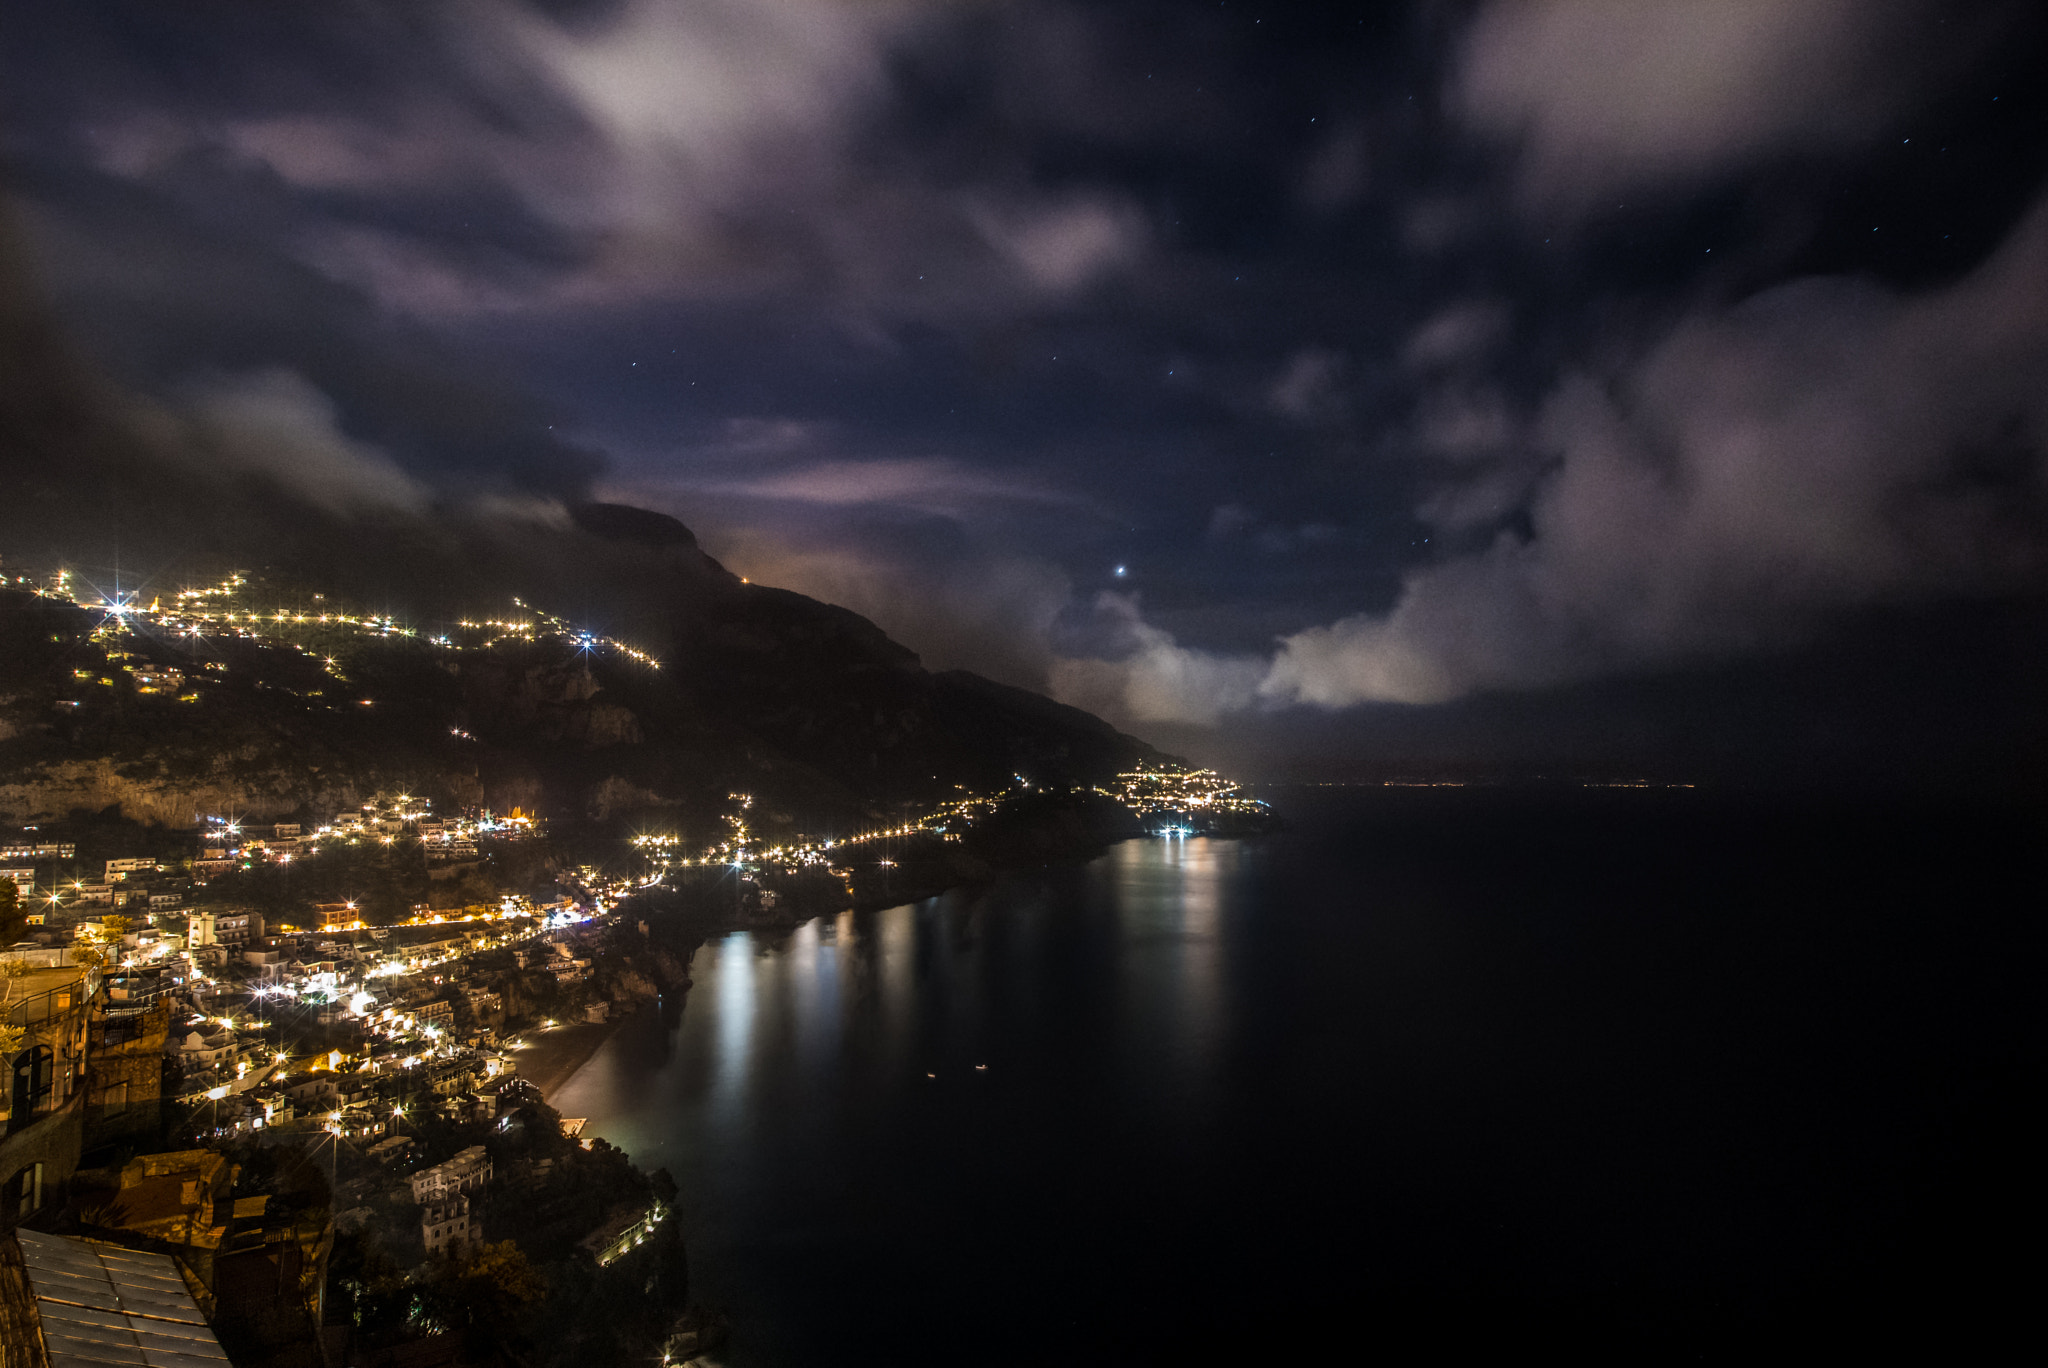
pixel 147 494
pixel 1408 355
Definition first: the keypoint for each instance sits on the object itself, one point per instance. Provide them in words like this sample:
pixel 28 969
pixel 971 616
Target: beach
pixel 552 1055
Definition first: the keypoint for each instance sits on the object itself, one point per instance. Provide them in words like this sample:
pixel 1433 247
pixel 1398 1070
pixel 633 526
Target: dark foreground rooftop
pixel 100 1304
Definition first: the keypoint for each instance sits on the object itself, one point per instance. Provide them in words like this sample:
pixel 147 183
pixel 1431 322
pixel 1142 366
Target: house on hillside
pixel 445 1227
pixel 467 1172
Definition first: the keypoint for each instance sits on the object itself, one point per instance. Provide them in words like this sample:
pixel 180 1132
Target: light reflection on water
pixel 736 979
pixel 804 1062
pixel 1352 1077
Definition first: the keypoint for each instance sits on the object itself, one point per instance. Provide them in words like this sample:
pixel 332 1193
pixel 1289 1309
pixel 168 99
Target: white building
pixel 466 1172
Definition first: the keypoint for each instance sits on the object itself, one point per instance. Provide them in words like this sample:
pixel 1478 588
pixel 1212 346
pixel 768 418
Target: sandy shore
pixel 552 1057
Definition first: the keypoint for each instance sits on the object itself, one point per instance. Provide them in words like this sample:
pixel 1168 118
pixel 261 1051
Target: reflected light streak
pixel 895 939
pixel 734 1010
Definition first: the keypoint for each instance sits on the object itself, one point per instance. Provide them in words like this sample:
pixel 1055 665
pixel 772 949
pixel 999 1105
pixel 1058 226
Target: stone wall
pixel 126 1083
pixel 54 1140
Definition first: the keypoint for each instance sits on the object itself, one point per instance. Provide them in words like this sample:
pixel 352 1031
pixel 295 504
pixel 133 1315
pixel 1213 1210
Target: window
pixel 24 1191
pixel 33 1069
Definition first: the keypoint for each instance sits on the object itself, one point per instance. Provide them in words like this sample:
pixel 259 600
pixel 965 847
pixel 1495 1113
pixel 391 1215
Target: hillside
pixel 722 686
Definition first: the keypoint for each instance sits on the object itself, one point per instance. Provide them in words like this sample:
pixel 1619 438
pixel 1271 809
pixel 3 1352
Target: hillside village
pixel 293 959
pixel 331 1116
pixel 327 1127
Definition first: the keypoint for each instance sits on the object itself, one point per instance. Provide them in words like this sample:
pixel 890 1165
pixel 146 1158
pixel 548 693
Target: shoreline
pixel 552 1056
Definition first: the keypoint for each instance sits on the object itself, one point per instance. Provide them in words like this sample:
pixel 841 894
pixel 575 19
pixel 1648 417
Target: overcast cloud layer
pixel 1189 363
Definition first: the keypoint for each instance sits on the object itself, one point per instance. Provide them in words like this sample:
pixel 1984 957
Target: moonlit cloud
pixel 1823 446
pixel 1604 93
pixel 925 486
pixel 1459 335
pixel 928 486
pixel 275 427
pixel 1308 388
pixel 667 150
pixel 1604 96
pixel 989 610
pixel 1062 247
pixel 1156 679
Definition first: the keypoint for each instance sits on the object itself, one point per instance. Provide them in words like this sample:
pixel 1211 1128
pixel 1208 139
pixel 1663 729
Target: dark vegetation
pixel 528 1294
pixel 13 916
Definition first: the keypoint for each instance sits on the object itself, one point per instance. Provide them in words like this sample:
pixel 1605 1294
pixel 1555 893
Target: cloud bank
pixel 1822 446
pixel 1605 96
pixel 274 426
pixel 655 150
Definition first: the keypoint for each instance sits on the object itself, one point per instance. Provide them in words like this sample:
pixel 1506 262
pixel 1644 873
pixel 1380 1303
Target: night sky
pixel 1310 388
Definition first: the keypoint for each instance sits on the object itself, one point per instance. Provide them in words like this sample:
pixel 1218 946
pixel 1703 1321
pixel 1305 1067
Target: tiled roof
pixel 103 1305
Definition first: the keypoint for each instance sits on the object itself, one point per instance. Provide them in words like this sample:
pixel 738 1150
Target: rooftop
pixel 101 1304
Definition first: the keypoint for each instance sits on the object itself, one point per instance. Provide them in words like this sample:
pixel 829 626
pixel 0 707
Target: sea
pixel 1643 1075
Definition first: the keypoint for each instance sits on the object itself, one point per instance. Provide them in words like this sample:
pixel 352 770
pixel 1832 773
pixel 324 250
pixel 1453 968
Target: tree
pixel 11 1037
pixel 481 1298
pixel 502 1267
pixel 99 944
pixel 370 1286
pixel 13 916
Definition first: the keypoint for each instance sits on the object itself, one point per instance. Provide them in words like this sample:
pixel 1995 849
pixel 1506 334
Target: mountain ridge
pixel 807 703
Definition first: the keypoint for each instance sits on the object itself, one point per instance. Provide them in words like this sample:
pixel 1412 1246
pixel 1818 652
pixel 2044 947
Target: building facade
pixel 445 1227
pixel 467 1172
pixel 125 1096
pixel 48 1027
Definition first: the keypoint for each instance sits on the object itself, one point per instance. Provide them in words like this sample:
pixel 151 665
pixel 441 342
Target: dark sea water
pixel 1648 1076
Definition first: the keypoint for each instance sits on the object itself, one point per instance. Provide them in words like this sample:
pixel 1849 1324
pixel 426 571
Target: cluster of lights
pixel 1151 789
pixel 1146 791
pixel 221 609
pixel 390 1023
pixel 456 834
pixel 582 640
pixel 738 851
